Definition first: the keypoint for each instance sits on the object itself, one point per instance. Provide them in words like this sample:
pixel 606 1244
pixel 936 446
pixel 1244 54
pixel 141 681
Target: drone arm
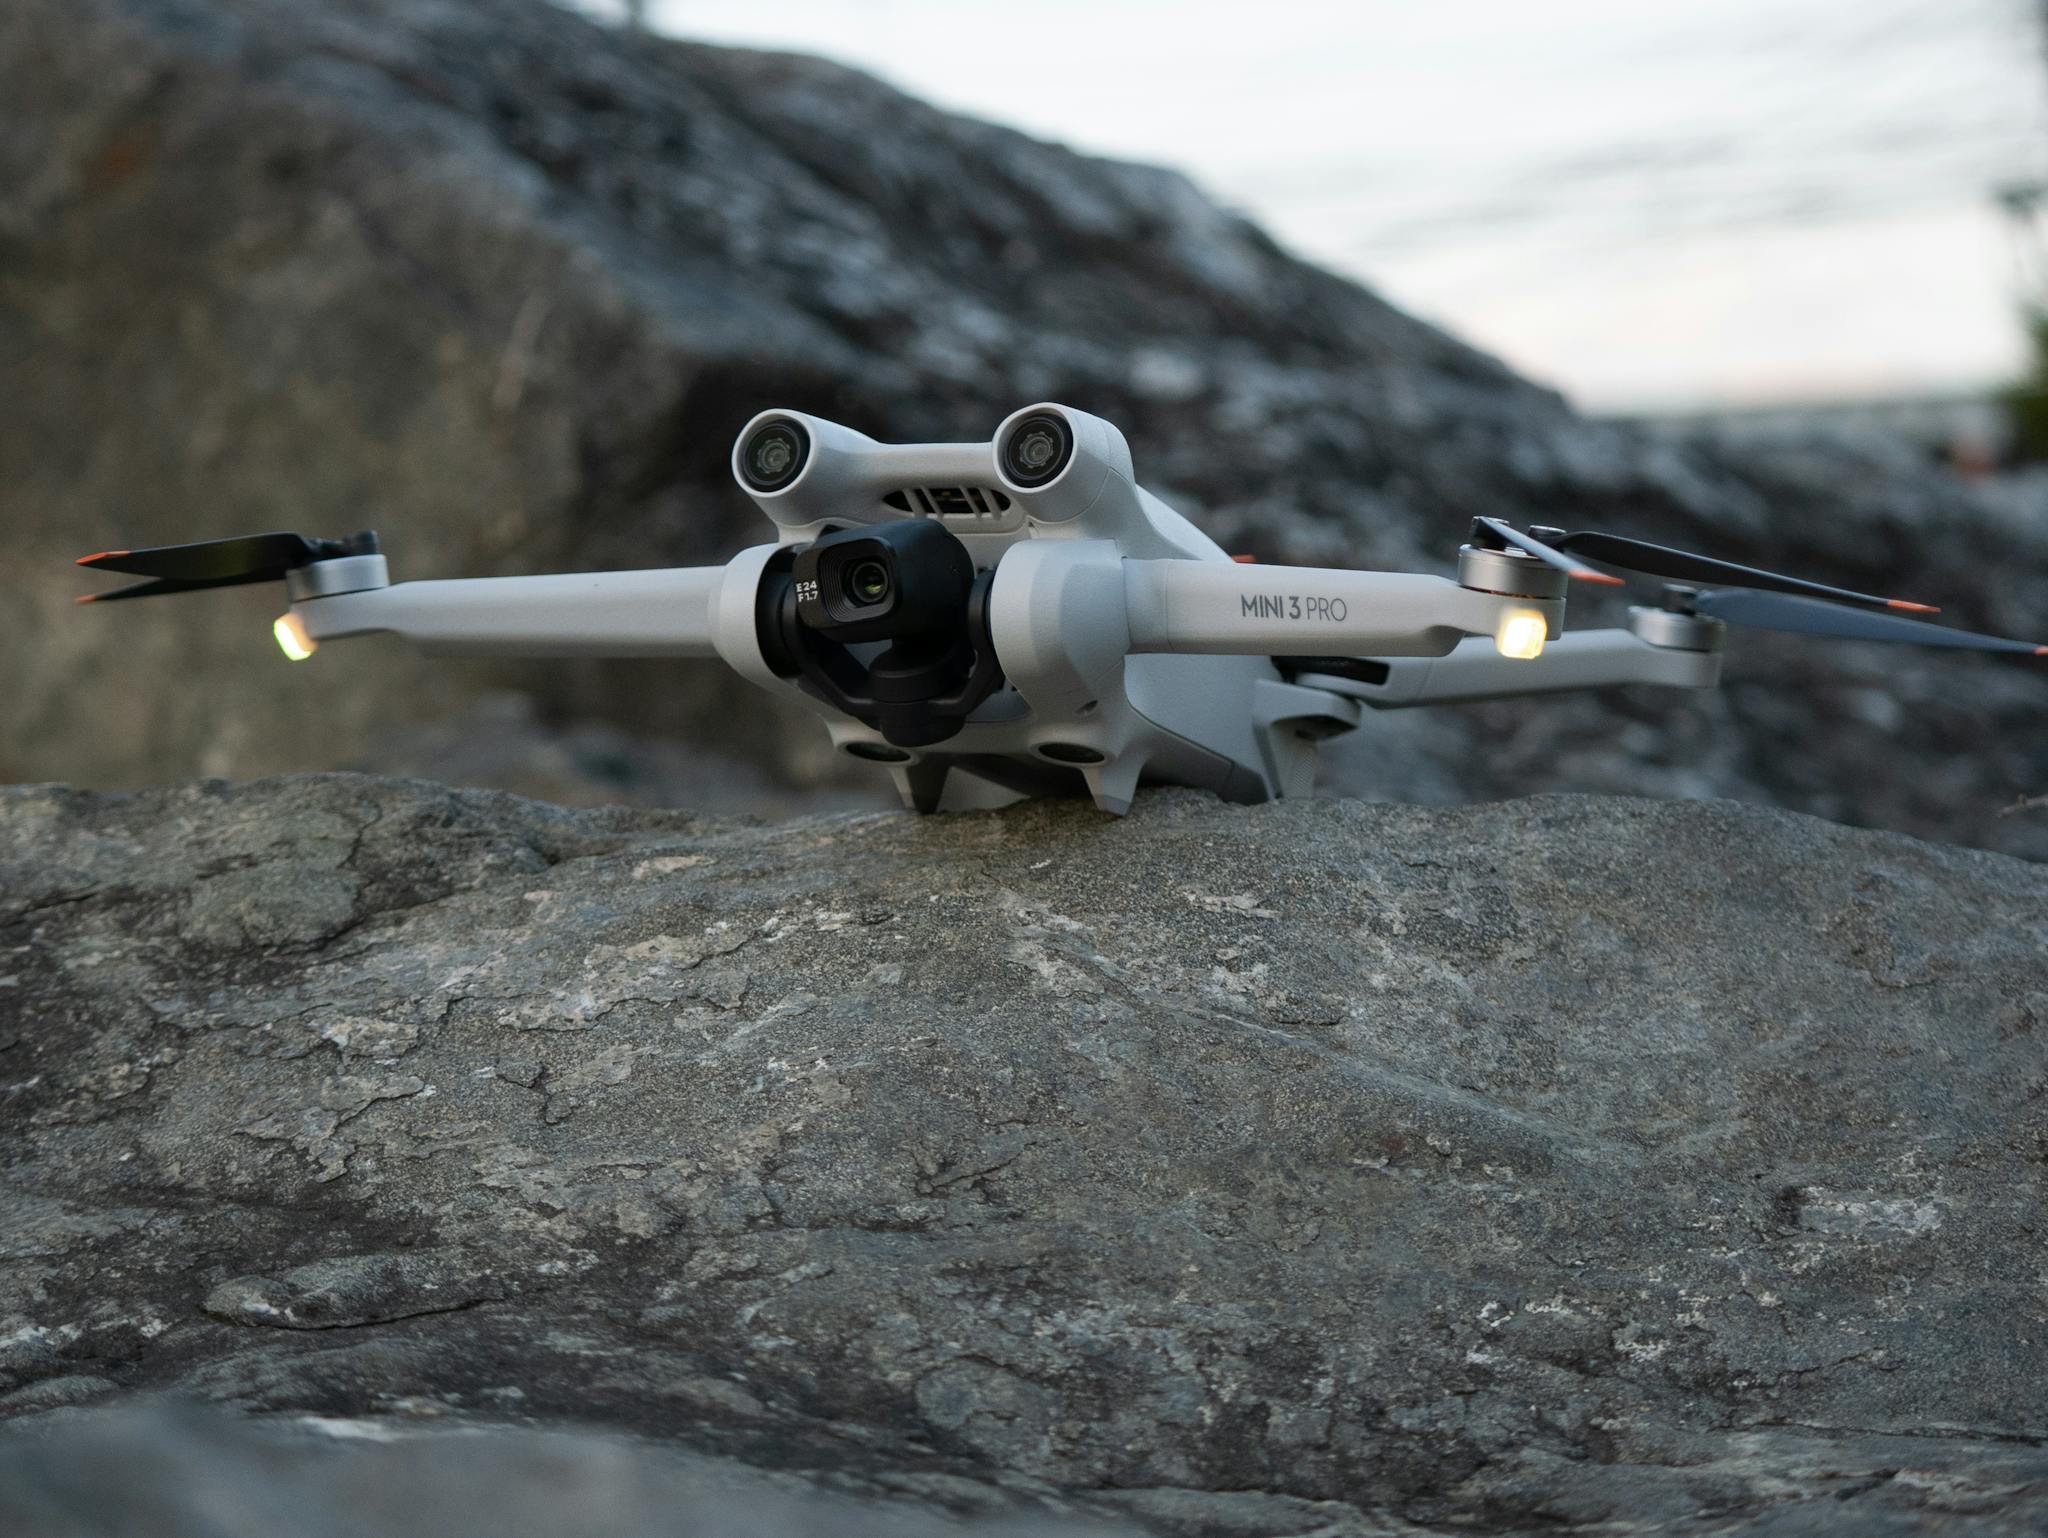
pixel 1214 608
pixel 665 613
pixel 1583 659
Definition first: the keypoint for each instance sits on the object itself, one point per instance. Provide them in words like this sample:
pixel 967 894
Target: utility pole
pixel 2023 201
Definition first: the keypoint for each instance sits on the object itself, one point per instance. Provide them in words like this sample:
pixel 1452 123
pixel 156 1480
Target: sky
pixel 1650 204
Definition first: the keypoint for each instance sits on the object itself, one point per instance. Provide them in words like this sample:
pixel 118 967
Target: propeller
pixel 1760 600
pixel 1682 566
pixel 1812 616
pixel 220 562
pixel 1639 556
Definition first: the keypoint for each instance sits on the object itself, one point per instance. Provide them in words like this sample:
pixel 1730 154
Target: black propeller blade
pixel 1682 566
pixel 1811 616
pixel 156 589
pixel 220 562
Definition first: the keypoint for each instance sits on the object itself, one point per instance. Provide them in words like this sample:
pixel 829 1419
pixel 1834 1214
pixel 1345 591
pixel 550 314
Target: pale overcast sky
pixel 1644 202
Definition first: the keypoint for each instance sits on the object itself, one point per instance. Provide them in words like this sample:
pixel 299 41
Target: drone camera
pixel 883 583
pixel 1060 462
pixel 1037 449
pixel 869 583
pixel 774 454
pixel 910 586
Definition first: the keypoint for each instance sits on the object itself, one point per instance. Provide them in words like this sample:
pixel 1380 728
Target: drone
pixel 1023 612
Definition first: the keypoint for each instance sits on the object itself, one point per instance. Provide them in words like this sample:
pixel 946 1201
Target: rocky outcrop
pixel 187 1475
pixel 1572 1162
pixel 504 283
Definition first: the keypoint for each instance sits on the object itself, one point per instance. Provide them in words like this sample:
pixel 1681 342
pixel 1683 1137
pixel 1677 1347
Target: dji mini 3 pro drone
pixel 1022 611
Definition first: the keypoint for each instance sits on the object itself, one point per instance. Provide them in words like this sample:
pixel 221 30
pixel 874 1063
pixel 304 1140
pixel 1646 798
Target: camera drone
pixel 1023 611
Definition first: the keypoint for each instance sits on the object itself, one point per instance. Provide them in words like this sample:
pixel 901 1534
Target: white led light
pixel 292 639
pixel 1520 635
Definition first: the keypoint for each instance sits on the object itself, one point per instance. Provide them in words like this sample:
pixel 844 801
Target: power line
pixel 1856 142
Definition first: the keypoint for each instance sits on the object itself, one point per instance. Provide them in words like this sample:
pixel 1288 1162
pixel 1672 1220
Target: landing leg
pixel 921 784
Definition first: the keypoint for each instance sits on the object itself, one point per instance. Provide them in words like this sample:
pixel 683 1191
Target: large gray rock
pixel 504 284
pixel 184 1475
pixel 1572 1162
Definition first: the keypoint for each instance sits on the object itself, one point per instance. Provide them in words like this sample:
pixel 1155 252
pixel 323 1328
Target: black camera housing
pixel 927 576
pixel 909 584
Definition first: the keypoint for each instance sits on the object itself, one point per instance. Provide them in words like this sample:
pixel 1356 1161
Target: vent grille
pixel 949 501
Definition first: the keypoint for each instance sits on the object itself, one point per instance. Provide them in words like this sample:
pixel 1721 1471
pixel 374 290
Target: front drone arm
pixel 1475 670
pixel 1212 608
pixel 663 613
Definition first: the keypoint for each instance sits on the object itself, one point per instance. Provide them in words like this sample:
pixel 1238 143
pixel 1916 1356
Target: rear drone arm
pixel 663 613
pixel 1475 670
pixel 1212 608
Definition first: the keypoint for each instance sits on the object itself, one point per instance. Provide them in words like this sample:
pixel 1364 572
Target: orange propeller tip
pixel 1605 579
pixel 104 555
pixel 2041 651
pixel 1246 560
pixel 83 598
pixel 1912 608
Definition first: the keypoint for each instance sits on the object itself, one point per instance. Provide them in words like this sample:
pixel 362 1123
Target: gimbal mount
pixel 910 588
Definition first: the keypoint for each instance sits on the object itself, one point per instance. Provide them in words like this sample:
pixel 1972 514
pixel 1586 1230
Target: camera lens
pixel 1037 450
pixel 774 456
pixel 867 583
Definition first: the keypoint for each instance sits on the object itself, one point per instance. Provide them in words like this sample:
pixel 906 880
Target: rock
pixel 504 284
pixel 1584 1163
pixel 353 1290
pixel 183 1475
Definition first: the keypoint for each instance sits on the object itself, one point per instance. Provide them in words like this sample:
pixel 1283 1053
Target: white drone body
pixel 1022 611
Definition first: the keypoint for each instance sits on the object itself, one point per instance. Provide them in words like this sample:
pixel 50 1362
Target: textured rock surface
pixel 1318 1167
pixel 504 284
pixel 184 1475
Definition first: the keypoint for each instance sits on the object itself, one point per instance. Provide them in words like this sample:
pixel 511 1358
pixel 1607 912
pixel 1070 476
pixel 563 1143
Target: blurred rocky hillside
pixel 503 284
